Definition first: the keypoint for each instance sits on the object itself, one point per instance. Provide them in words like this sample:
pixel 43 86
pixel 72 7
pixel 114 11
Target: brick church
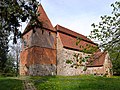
pixel 45 51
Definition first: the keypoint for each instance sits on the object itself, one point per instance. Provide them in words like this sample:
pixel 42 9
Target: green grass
pixel 76 83
pixel 7 83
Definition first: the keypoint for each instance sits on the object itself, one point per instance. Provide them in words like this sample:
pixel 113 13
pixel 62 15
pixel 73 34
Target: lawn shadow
pixel 76 83
pixel 10 84
pixel 43 82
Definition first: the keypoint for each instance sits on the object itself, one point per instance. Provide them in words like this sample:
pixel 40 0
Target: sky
pixel 77 15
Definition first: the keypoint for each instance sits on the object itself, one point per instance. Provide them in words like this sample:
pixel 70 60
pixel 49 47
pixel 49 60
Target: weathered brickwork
pixel 38 56
pixel 41 38
pixel 35 56
pixel 44 38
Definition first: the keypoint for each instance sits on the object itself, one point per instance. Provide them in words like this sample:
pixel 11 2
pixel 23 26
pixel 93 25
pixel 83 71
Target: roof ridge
pixel 73 33
pixel 71 30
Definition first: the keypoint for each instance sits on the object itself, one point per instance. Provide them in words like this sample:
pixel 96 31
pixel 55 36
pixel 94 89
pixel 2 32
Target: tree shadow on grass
pixel 44 82
pixel 76 83
pixel 99 83
pixel 10 84
pixel 41 79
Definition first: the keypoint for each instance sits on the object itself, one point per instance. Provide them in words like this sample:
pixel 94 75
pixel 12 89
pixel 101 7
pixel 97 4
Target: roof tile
pixel 69 38
pixel 97 59
pixel 72 33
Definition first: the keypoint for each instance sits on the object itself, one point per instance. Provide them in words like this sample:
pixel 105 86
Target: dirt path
pixel 28 85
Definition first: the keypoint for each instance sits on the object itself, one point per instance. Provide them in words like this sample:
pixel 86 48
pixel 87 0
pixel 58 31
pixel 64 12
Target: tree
pixel 3 48
pixel 12 13
pixel 15 52
pixel 9 69
pixel 107 32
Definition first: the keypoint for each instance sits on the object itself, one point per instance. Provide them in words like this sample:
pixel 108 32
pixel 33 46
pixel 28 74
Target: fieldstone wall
pixel 42 70
pixel 108 66
pixel 63 55
pixel 95 70
pixel 65 69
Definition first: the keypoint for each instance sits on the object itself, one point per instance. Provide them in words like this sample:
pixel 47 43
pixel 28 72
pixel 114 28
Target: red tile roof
pixel 72 33
pixel 42 18
pixel 70 42
pixel 69 39
pixel 97 59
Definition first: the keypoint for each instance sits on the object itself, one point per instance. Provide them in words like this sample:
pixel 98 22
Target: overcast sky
pixel 77 15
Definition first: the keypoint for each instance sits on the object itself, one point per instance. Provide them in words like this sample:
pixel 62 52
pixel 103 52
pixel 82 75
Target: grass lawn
pixel 7 83
pixel 76 83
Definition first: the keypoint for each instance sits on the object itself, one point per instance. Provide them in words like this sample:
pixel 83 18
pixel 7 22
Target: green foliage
pixel 86 48
pixel 69 61
pixel 116 62
pixel 76 83
pixel 10 69
pixel 85 68
pixel 78 61
pixel 13 12
pixel 78 41
pixel 3 47
pixel 107 32
pixel 108 29
pixel 89 49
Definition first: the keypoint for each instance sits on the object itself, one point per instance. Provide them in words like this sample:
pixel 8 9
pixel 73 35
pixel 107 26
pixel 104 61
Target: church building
pixel 46 52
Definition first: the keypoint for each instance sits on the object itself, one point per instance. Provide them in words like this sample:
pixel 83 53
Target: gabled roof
pixel 97 59
pixel 72 33
pixel 69 38
pixel 43 18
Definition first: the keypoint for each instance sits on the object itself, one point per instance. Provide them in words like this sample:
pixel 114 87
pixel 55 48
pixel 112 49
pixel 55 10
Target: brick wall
pixel 39 52
pixel 31 58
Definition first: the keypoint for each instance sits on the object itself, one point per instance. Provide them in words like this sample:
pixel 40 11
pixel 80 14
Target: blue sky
pixel 77 15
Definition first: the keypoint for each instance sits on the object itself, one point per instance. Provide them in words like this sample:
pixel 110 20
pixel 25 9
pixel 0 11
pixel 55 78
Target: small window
pixel 42 31
pixel 27 36
pixel 49 33
pixel 25 43
pixel 34 31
